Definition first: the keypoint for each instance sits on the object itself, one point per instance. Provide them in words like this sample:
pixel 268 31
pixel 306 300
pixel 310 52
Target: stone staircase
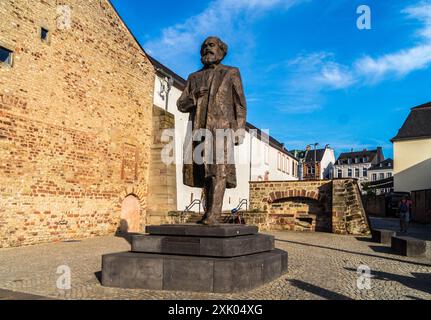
pixel 350 216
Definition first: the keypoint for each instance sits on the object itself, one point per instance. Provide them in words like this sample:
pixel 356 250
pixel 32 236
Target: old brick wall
pixel 319 205
pixel 348 213
pixel 294 205
pixel 75 122
pixel 162 182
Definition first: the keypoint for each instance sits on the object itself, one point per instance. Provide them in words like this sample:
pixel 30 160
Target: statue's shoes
pixel 208 222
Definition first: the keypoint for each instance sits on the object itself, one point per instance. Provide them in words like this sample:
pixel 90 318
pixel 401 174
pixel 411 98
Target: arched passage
pixel 301 214
pixel 130 214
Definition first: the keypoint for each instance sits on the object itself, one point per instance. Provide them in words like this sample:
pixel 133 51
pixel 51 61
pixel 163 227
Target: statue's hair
pixel 222 45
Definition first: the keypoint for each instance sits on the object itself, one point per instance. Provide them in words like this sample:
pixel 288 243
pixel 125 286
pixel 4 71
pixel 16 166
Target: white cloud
pixel 335 76
pixel 398 64
pixel 227 18
pixel 319 71
pixel 403 62
pixel 309 76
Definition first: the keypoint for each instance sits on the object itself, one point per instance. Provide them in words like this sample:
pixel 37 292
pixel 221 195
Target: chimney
pixel 380 155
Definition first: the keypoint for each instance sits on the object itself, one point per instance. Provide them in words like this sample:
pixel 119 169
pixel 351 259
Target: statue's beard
pixel 211 58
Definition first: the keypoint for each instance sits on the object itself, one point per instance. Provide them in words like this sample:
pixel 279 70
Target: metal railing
pixel 190 206
pixel 241 204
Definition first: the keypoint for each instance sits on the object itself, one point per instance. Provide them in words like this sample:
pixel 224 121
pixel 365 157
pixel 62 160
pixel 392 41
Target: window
pixel 356 160
pixel 365 172
pixel 5 56
pixel 357 172
pixel 44 34
pixel 266 154
pixel 374 177
pixel 349 173
pixel 349 161
pixel 381 176
pixel 293 168
pixel 279 162
pixel 340 173
pixel 388 175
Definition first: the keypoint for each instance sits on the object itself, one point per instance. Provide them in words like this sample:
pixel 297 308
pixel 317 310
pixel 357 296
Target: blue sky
pixel 310 75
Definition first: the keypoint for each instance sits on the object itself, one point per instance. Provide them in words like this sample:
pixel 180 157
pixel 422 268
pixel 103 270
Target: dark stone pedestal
pixel 383 236
pixel 225 258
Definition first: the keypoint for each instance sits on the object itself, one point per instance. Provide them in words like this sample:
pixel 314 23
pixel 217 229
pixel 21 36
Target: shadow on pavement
pixel 418 281
pixel 318 291
pixel 354 252
pixel 364 239
pixel 98 276
pixel 383 249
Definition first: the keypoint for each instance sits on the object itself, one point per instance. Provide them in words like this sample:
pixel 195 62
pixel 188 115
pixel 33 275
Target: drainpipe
pixel 251 153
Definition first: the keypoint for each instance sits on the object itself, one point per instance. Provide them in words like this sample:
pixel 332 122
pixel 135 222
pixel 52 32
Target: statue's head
pixel 213 51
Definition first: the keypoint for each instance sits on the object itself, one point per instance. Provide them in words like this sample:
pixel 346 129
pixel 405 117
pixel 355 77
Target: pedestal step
pixel 185 273
pixel 221 231
pixel 203 246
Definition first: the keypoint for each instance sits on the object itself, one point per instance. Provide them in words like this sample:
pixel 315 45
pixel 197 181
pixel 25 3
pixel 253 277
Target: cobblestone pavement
pixel 321 266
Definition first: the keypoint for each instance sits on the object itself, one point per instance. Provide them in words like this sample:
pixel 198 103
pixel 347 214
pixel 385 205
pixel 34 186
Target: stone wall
pixel 319 205
pixel 162 190
pixel 348 214
pixel 375 205
pixel 75 122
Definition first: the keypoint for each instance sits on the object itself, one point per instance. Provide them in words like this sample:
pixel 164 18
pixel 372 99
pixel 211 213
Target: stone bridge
pixel 320 205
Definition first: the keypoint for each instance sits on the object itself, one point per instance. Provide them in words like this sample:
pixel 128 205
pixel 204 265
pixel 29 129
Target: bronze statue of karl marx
pixel 215 100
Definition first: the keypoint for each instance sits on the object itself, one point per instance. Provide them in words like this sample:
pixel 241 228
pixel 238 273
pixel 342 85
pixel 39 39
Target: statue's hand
pixel 201 92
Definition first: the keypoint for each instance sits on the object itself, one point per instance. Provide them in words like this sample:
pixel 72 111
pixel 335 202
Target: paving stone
pixel 321 266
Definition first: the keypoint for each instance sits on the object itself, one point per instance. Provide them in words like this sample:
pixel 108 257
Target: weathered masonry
pixel 321 205
pixel 75 122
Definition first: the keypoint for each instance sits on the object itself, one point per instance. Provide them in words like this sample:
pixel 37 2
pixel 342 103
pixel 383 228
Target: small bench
pixel 410 247
pixel 383 236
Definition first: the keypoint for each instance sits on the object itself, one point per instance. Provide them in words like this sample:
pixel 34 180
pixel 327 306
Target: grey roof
pixel 386 164
pixel 417 125
pixel 311 155
pixel 179 81
pixel 272 141
pixel 370 154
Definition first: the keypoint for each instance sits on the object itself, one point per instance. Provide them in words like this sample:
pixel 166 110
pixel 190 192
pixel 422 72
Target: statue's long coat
pixel 226 95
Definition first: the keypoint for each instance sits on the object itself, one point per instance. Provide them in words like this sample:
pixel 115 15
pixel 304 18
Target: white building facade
pixel 259 158
pixel 357 164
